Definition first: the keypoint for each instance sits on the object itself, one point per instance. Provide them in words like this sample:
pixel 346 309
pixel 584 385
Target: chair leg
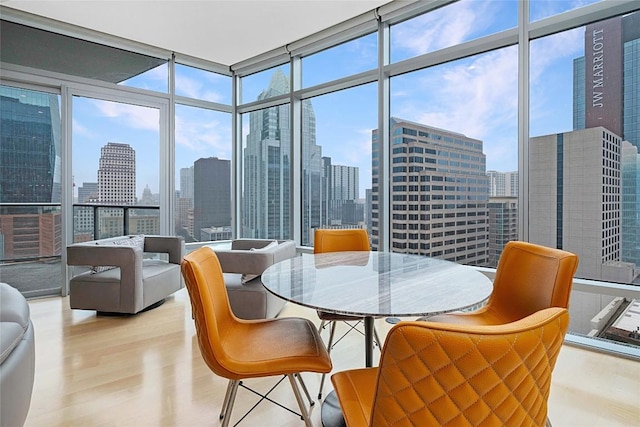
pixel 225 402
pixel 331 334
pixel 377 338
pixel 229 399
pixel 305 389
pixel 303 408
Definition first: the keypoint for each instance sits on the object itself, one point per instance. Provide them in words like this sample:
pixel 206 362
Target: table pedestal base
pixel 331 414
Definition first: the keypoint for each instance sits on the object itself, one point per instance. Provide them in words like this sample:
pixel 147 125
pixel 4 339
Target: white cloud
pixel 195 88
pixel 476 96
pixel 442 28
pixel 134 116
pixel 204 137
pixel 80 130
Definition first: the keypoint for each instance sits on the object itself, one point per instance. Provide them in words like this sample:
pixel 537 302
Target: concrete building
pixel 605 93
pixel 503 183
pixel 117 174
pixel 575 202
pixel 439 194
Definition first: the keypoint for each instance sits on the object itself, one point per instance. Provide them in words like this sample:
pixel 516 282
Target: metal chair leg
pixel 331 334
pixel 305 389
pixel 303 409
pixel 230 398
pixel 225 402
pixel 377 338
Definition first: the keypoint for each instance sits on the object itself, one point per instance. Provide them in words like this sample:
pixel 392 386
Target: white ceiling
pixel 226 32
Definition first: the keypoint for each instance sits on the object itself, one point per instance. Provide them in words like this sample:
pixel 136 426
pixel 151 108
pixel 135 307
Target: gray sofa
pixel 242 266
pixel 17 360
pixel 123 278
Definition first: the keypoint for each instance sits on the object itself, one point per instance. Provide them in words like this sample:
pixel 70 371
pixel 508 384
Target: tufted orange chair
pixel 339 240
pixel 529 278
pixel 437 374
pixel 238 349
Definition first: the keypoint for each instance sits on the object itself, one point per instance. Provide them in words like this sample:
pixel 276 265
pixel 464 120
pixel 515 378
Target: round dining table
pixel 375 284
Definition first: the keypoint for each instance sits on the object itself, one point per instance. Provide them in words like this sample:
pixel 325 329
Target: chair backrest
pixel 530 278
pixel 338 240
pixel 461 375
pixel 210 306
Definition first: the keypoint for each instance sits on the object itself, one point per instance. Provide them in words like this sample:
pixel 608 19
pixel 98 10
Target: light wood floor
pixel 146 370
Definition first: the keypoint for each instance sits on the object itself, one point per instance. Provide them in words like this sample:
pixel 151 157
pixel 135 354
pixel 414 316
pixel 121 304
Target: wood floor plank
pixel 146 370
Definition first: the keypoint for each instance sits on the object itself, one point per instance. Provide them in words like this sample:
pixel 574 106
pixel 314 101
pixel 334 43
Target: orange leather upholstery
pixel 236 349
pixel 529 278
pixel 436 374
pixel 330 240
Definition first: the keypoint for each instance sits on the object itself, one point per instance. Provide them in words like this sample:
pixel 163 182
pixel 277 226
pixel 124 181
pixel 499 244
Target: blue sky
pixel 476 96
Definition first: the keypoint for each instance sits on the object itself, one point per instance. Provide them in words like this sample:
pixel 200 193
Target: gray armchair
pixel 242 266
pixel 120 279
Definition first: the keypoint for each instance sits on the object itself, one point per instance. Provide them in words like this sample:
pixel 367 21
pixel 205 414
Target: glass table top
pixel 377 283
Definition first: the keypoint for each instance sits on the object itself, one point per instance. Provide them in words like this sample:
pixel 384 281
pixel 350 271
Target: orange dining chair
pixel 447 375
pixel 239 349
pixel 529 278
pixel 339 240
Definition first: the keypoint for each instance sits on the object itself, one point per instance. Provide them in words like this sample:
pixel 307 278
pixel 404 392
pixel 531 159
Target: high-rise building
pixel 88 192
pixel 439 193
pixel 117 174
pixel 116 186
pixel 267 169
pixel 503 183
pixel 339 197
pixel 503 225
pixel 606 92
pixel 575 203
pixel 29 173
pixel 83 215
pixel 30 146
pixel 211 195
pixel 186 183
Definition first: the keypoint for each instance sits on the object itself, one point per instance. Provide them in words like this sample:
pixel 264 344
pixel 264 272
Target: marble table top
pixel 377 283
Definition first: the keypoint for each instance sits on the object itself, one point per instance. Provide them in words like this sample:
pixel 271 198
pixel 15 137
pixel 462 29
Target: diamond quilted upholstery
pixel 434 374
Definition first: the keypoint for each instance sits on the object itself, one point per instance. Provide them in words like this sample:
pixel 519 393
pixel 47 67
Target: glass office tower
pixel 30 146
pixel 29 174
pixel 267 166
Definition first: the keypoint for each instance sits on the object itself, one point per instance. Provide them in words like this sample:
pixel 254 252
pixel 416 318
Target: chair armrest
pixel 172 245
pixel 120 256
pixel 246 261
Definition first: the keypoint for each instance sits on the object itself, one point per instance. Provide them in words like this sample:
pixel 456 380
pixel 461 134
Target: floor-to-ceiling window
pixel 203 155
pixel 336 138
pixel 468 119
pixel 115 168
pixel 30 179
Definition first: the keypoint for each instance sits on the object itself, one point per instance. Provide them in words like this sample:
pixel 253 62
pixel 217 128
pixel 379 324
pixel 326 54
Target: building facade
pixel 503 183
pixel 606 92
pixel 439 194
pixel 266 203
pixel 29 173
pixel 575 203
pixel 211 194
pixel 503 225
